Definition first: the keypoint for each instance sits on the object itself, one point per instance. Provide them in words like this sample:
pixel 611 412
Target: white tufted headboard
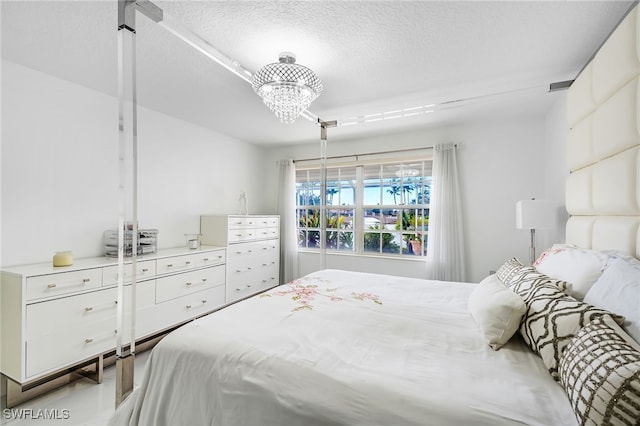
pixel 603 147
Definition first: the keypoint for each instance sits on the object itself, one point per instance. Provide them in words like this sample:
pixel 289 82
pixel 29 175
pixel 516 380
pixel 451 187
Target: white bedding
pixel 358 349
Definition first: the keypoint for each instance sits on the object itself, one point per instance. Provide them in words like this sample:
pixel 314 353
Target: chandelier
pixel 286 87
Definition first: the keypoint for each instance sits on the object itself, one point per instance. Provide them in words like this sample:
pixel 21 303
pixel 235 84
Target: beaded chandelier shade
pixel 286 87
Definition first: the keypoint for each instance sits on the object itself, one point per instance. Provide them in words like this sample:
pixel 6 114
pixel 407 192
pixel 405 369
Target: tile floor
pixel 79 403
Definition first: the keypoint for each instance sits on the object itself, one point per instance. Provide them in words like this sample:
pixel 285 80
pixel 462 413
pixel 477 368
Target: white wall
pixel 556 170
pixel 60 170
pixel 500 163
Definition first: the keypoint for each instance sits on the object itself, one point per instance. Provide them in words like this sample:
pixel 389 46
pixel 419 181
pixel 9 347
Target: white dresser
pixel 253 251
pixel 54 318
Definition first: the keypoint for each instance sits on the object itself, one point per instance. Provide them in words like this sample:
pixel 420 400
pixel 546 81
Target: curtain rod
pixel 368 153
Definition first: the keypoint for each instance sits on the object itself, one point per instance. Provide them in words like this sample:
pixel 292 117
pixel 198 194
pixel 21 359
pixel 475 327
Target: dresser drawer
pixel 240 289
pixel 243 252
pixel 181 284
pixel 176 263
pixel 210 258
pixel 52 351
pixel 66 312
pixel 240 235
pixel 144 269
pixel 265 233
pixel 42 286
pixel 190 306
pixel 61 314
pixel 268 222
pixel 239 222
pixel 269 282
pixel 269 275
pixel 268 250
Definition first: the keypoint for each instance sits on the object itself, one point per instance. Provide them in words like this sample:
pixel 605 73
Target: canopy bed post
pixel 128 185
pixel 324 125
pixel 127 132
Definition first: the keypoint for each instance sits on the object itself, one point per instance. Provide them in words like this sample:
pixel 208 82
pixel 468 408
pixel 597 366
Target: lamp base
pixel 532 248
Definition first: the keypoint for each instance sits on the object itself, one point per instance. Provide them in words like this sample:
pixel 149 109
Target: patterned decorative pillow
pixel 552 319
pixel 600 371
pixel 508 269
pixel 528 278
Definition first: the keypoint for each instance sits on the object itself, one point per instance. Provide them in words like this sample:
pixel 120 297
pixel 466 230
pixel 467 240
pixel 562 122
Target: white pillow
pixel 497 311
pixel 618 291
pixel 580 267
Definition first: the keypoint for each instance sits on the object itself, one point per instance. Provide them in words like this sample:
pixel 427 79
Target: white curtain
pixel 287 212
pixel 445 244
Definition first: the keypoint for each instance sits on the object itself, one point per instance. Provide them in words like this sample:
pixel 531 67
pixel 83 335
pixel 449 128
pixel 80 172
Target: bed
pixel 551 344
pixel 338 347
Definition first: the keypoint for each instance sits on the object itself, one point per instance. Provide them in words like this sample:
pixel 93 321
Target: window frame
pixel 355 231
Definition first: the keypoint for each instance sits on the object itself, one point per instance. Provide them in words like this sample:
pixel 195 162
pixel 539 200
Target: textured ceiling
pixel 372 56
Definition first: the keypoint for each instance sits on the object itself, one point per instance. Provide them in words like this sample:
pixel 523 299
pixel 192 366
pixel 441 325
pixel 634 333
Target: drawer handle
pixel 145 270
pixel 83 282
pixel 204 280
pixel 204 301
pixel 246 270
pixel 88 309
pixel 188 262
pixel 188 306
pixel 169 265
pixel 206 259
pixel 265 264
pixel 88 340
pixel 238 289
pixel 238 235
pixel 248 285
pixel 188 284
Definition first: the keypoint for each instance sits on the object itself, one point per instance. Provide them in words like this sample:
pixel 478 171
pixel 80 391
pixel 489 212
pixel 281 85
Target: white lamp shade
pixel 534 214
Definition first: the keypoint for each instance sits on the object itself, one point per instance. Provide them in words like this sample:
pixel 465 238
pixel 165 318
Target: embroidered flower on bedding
pixel 303 294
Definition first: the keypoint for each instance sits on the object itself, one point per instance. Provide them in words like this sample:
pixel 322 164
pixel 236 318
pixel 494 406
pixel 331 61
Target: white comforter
pixel 358 349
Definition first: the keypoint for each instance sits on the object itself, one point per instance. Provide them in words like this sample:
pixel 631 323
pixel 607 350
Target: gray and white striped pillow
pixel 528 278
pixel 600 371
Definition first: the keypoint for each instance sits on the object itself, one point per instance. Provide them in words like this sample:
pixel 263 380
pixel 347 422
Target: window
pixel 371 208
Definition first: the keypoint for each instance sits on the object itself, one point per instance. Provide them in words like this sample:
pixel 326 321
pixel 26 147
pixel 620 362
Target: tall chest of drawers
pixel 253 251
pixel 54 318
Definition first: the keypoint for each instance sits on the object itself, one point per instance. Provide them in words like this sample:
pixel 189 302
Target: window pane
pixel 346 241
pixel 372 242
pixel 339 219
pixel 302 238
pixel 372 219
pixel 314 194
pixel 371 185
pixel 347 193
pixel 313 239
pixel 332 240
